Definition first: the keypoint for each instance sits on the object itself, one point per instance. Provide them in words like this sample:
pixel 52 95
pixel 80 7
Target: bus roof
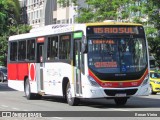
pixel 61 28
pixel 113 23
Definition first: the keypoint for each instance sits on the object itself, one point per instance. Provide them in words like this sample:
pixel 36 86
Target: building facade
pixel 35 12
pixel 66 14
pixel 46 12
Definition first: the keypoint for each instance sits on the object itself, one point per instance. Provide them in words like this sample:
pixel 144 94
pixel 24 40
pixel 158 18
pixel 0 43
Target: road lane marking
pixel 25 110
pixel 120 109
pixel 58 118
pixel 15 108
pixel 4 106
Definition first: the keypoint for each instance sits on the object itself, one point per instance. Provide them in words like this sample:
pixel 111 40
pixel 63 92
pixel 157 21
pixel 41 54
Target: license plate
pixel 120 95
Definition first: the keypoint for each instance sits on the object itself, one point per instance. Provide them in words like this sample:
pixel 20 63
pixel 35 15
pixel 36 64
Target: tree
pixel 9 13
pixel 3 15
pixel 153 31
pixel 9 25
pixel 99 10
pixel 19 29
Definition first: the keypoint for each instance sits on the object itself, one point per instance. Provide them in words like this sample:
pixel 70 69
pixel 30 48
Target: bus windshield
pixel 117 54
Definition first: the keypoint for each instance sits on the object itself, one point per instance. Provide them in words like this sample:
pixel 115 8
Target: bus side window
pixel 52 48
pixel 64 47
pixel 13 51
pixel 22 50
pixel 31 49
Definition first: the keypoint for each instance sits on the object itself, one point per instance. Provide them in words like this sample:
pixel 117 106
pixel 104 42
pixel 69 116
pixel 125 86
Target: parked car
pixel 154 81
pixel 3 74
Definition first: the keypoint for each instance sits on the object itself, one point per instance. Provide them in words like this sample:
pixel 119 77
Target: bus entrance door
pixel 77 71
pixel 39 67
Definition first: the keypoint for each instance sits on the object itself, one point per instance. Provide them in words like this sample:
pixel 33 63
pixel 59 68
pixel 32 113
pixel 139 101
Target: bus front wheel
pixel 121 101
pixel 71 100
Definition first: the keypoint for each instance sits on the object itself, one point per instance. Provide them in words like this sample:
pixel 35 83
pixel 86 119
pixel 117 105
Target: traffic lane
pixel 4 87
pixel 17 101
pixel 16 98
pixel 146 103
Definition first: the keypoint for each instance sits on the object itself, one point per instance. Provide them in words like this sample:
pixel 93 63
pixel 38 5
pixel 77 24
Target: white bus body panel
pixel 53 77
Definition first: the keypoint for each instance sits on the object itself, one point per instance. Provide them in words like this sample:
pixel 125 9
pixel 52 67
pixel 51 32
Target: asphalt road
pixel 53 108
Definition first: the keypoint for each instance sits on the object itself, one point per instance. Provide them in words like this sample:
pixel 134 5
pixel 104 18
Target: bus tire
pixel 28 93
pixel 73 101
pixel 121 101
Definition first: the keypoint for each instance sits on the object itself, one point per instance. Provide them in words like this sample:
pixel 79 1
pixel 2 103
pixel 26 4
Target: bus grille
pixel 114 92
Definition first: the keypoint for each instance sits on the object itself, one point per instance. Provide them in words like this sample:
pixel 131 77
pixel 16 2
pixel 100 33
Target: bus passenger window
pixel 52 48
pixel 22 50
pixel 64 47
pixel 13 51
pixel 31 49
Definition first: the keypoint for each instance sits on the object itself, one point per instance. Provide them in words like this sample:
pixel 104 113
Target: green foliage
pixel 98 11
pixel 3 50
pixel 3 15
pixel 9 25
pixel 19 29
pixel 153 10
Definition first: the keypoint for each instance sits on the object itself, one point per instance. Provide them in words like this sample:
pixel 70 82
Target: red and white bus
pixel 93 60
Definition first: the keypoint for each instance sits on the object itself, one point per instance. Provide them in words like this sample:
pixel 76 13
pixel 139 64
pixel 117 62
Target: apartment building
pixel 35 12
pixel 66 14
pixel 46 12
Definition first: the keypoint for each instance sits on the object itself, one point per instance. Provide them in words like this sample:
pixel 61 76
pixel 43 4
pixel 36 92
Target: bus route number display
pixel 105 64
pixel 114 30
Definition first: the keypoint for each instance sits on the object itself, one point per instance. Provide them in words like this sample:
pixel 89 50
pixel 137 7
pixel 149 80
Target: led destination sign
pixel 115 30
pixel 119 30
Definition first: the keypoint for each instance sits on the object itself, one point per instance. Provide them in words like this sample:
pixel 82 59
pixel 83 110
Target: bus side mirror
pixel 84 45
pixel 84 48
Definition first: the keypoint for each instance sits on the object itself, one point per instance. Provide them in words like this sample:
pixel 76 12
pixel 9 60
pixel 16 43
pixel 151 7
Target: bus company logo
pixel 134 83
pixel 106 84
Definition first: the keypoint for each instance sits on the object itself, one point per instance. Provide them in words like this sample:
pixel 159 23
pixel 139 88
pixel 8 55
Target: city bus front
pixel 117 58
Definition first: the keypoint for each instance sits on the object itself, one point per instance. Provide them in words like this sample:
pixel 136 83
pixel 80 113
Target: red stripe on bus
pixel 17 71
pixel 118 84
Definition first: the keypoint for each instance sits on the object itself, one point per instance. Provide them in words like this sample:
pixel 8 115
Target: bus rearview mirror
pixel 84 48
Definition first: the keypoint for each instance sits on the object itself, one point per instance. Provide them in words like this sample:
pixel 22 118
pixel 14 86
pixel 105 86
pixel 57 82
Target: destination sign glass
pixel 119 30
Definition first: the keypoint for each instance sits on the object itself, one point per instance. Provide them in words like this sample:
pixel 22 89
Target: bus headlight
pixel 146 80
pixel 93 82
